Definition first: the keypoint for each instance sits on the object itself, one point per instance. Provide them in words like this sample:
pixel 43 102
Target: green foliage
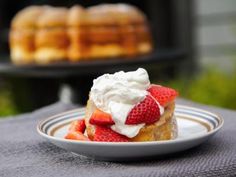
pixel 212 87
pixel 6 105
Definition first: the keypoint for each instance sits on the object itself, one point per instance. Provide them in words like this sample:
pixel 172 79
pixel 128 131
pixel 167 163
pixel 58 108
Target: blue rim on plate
pixel 210 121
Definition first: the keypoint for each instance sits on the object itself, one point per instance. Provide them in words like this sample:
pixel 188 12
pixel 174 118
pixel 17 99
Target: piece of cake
pixel 77 27
pixel 126 107
pixel 118 29
pixel 51 39
pixel 22 34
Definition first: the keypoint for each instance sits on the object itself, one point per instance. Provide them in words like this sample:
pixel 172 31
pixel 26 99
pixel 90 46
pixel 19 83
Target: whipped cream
pixel 117 94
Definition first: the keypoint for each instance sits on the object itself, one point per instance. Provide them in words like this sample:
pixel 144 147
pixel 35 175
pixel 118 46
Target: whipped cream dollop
pixel 117 94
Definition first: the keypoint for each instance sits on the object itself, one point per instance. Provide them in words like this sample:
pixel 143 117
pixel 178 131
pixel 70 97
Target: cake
pixel 77 27
pixel 117 29
pixel 125 107
pixel 22 34
pixel 51 40
pixel 44 34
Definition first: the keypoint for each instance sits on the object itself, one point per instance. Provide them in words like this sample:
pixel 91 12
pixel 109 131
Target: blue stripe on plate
pixel 196 114
pixel 209 114
pixel 48 126
pixel 59 117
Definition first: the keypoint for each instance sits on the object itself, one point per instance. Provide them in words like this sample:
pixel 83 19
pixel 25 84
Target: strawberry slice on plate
pixel 101 118
pixel 106 134
pixel 163 95
pixel 147 111
pixel 75 135
pixel 76 131
pixel 78 126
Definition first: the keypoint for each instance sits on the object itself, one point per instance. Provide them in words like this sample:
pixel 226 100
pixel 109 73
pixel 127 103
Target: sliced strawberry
pixel 106 134
pixel 101 118
pixel 78 125
pixel 147 111
pixel 75 135
pixel 163 95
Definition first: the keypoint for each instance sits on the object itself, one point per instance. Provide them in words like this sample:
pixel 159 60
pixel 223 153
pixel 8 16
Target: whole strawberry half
pixel 147 111
pixel 78 125
pixel 163 95
pixel 106 134
pixel 101 118
pixel 74 135
pixel 76 131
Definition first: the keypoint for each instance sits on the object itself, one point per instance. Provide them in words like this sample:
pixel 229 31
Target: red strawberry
pixel 147 111
pixel 106 134
pixel 101 118
pixel 75 135
pixel 78 125
pixel 163 95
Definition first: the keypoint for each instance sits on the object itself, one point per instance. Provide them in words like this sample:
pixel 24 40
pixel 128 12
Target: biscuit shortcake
pixel 125 107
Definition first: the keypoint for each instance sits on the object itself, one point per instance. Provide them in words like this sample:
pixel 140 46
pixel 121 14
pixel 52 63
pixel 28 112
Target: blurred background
pixel 194 52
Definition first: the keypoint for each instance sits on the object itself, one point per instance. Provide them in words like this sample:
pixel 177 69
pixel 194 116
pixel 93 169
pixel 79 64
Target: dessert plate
pixel 194 126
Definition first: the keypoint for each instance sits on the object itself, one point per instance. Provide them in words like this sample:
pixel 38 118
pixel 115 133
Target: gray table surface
pixel 24 153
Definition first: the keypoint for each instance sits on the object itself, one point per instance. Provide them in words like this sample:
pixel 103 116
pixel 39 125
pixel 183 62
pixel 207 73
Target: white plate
pixel 194 125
